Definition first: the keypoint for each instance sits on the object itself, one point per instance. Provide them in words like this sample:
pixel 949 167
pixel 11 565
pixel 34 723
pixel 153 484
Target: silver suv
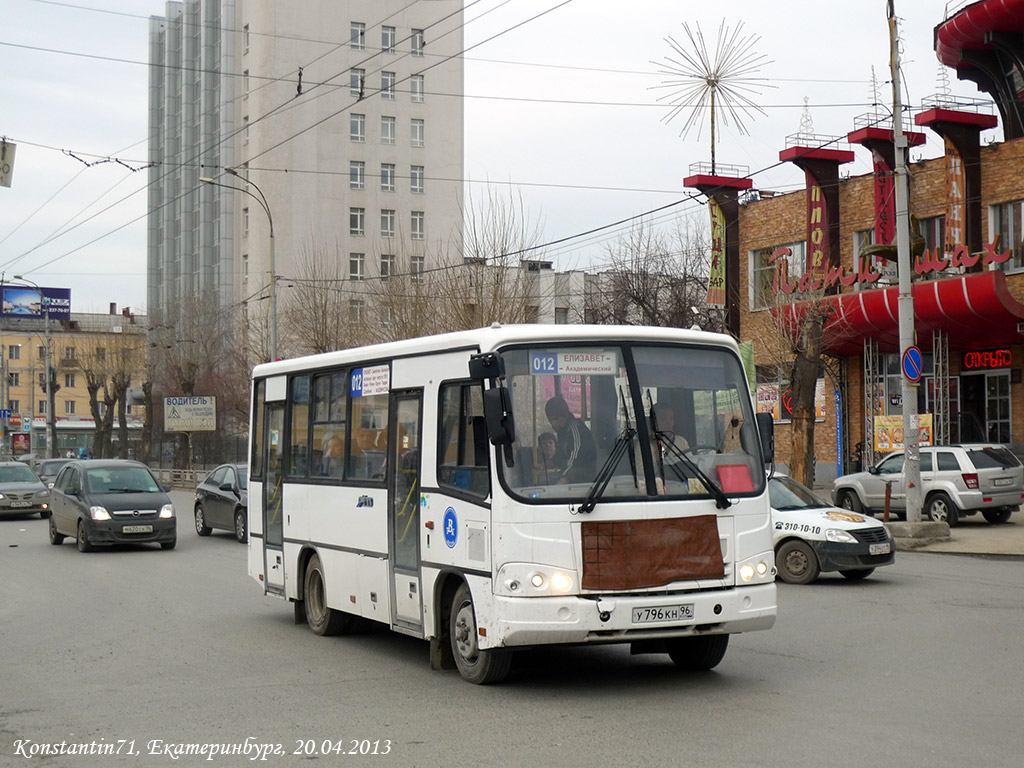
pixel 956 480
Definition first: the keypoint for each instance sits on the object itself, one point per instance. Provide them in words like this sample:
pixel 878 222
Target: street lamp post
pixel 262 200
pixel 51 423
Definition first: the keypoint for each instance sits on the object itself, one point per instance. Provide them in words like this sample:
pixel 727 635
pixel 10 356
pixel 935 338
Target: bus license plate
pixel 137 529
pixel 663 613
pixel 878 549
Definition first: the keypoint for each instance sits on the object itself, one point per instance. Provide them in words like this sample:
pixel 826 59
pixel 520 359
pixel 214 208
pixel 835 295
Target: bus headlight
pixel 756 570
pixel 529 580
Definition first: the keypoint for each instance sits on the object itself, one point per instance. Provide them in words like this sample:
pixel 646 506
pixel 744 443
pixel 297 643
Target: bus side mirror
pixel 501 427
pixel 487 365
pixel 766 432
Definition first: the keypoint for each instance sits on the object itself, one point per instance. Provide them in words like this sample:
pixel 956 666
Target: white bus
pixel 517 486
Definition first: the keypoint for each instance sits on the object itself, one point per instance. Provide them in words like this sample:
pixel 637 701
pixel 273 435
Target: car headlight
pixel 756 570
pixel 1 495
pixel 99 513
pixel 42 494
pixel 529 580
pixel 839 536
pixel 167 511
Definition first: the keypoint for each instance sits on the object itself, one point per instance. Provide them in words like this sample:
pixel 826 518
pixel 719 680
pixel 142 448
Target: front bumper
pixel 847 557
pixel 32 508
pixel 579 619
pixel 112 531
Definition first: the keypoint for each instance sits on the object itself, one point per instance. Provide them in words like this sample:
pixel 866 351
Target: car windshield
pixel 50 467
pixel 121 480
pixel 787 494
pixel 650 420
pixel 17 473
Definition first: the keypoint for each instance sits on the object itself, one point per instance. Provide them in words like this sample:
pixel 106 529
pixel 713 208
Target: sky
pixel 563 111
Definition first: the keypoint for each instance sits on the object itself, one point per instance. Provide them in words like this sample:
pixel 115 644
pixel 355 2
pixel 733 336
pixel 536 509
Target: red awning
pixel 975 310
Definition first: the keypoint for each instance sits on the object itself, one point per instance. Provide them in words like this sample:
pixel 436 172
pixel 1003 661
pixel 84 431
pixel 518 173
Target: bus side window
pixel 463 456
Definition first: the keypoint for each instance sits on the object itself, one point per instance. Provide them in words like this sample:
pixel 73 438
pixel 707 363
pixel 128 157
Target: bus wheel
pixel 698 653
pixel 476 665
pixel 321 619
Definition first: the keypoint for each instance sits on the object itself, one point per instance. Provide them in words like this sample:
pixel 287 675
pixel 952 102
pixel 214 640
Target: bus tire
pixel 476 665
pixel 321 619
pixel 698 652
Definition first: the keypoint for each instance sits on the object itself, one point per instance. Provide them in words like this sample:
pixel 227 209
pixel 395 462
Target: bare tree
pixel 317 309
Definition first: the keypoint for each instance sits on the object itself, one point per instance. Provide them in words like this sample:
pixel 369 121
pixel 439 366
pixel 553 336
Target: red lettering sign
pixel 986 358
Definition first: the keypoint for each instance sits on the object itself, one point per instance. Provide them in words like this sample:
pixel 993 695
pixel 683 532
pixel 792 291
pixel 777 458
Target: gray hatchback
pixel 956 480
pixel 110 501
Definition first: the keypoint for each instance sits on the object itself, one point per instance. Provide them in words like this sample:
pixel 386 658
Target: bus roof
pixel 492 338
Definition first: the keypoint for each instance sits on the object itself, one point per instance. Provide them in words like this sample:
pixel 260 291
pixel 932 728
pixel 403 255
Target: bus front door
pixel 403 477
pixel 273 520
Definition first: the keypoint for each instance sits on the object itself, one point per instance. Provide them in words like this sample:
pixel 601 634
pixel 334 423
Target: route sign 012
pixel 190 414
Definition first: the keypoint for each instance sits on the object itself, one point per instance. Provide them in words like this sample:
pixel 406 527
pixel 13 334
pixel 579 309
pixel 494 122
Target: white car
pixel 812 536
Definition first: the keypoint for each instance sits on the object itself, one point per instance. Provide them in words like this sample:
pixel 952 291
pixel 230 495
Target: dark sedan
pixel 21 492
pixel 47 469
pixel 222 501
pixel 110 501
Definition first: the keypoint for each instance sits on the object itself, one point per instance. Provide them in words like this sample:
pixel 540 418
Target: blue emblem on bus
pixel 451 527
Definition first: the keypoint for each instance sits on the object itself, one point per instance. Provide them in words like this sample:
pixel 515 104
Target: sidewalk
pixel 976 536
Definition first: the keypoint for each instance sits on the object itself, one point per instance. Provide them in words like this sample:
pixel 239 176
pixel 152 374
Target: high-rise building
pixel 336 127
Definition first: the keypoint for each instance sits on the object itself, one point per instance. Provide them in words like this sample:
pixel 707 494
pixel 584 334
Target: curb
pixel 916 535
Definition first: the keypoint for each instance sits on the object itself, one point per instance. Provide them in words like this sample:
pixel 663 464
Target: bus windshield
pixel 665 420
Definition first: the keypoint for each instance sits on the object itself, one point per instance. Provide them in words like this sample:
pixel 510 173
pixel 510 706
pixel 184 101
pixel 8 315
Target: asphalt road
pixel 919 665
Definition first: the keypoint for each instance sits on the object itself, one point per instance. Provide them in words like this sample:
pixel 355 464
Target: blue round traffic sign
pixel 912 364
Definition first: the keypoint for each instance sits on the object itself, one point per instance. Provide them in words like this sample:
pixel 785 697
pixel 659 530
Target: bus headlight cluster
pixel 528 580
pixel 756 570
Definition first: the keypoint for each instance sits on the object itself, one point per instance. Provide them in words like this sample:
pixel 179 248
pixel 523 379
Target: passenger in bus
pixel 667 443
pixel 576 454
pixel 545 471
pixel 333 462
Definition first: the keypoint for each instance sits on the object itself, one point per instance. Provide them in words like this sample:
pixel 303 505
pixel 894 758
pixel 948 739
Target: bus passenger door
pixel 273 520
pixel 403 478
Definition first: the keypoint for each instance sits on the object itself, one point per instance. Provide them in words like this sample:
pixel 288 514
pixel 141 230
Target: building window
pixel 357 266
pixel 357 127
pixel 387 39
pixel 933 230
pixel 387 266
pixel 245 267
pixel 387 177
pixel 416 132
pixel 416 87
pixel 561 316
pixel 387 222
pixel 41 352
pixel 416 179
pixel 245 39
pixel 42 381
pixel 356 311
pixel 14 352
pixel 417 42
pixel 245 222
pixel 42 408
pixel 358 35
pixel 245 129
pixel 387 130
pixel 14 379
pixel 416 268
pixel 387 85
pixel 762 273
pixel 69 353
pixel 418 225
pixel 69 407
pixel 356 79
pixel 69 380
pixel 1007 221
pixel 356 174
pixel 357 221
pixel 14 406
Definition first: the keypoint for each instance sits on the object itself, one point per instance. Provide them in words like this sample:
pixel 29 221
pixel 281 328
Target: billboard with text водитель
pixel 190 414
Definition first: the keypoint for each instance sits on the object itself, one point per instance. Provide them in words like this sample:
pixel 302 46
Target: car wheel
pixel 699 653
pixel 84 545
pixel 997 516
pixel 55 537
pixel 851 501
pixel 240 532
pixel 475 664
pixel 796 562
pixel 858 574
pixel 321 619
pixel 940 509
pixel 201 527
pixel 44 513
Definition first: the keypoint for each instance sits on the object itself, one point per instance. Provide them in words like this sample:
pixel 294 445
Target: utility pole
pixel 905 303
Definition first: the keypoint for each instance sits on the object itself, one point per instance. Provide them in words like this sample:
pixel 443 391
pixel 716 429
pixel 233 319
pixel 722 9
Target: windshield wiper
pixel 623 444
pixel 666 443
